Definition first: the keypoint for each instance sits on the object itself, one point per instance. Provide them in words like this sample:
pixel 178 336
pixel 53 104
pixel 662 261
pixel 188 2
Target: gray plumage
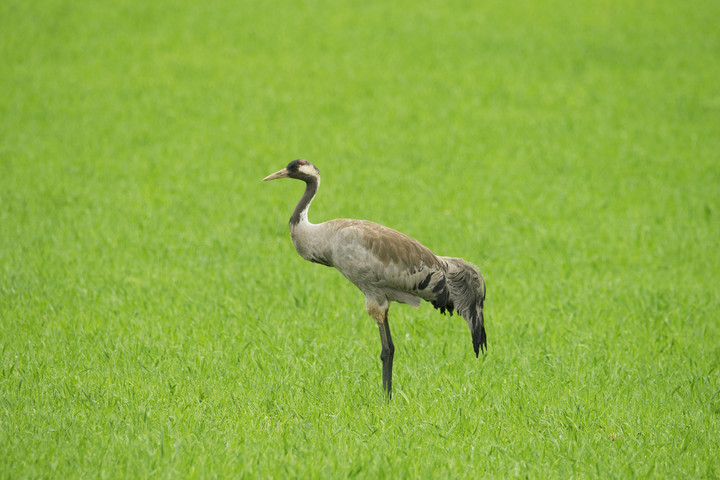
pixel 386 266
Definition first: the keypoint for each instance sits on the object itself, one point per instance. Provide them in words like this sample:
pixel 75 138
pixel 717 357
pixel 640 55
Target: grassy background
pixel 155 320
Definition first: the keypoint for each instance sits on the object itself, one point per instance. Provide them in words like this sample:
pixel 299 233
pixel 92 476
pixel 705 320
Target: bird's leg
pixel 386 355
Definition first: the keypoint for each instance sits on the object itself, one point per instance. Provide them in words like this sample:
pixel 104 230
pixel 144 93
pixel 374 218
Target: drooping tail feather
pixel 467 296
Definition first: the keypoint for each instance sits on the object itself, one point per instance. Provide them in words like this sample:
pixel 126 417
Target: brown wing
pixel 380 259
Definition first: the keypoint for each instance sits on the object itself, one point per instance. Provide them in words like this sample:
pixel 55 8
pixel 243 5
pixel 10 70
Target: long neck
pixel 301 210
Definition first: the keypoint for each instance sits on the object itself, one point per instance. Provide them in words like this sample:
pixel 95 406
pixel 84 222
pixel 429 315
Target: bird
pixel 387 266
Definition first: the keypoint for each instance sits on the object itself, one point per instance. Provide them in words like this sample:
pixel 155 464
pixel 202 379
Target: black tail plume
pixel 467 295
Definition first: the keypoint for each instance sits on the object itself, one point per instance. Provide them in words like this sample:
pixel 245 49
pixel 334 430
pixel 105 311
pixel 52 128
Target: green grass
pixel 155 321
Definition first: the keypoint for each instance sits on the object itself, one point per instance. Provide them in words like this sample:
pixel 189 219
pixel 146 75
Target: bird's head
pixel 299 169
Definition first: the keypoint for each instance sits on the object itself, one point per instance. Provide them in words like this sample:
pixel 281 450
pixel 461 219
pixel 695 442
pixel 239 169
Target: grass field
pixel 155 321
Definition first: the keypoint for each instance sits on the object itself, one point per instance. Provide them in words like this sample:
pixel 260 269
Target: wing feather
pixel 378 259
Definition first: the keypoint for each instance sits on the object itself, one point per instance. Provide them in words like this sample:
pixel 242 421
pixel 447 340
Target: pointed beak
pixel 279 174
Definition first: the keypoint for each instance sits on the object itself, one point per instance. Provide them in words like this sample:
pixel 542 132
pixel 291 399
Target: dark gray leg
pixel 386 355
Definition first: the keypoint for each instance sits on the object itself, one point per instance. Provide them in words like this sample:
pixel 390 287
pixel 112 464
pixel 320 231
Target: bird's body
pixel 386 266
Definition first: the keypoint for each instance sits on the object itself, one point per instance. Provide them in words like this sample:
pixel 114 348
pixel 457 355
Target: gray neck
pixel 301 210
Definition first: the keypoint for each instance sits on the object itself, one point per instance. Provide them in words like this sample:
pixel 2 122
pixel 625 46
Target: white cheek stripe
pixel 307 169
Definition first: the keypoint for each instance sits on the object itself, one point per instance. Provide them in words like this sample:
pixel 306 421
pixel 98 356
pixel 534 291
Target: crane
pixel 386 265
